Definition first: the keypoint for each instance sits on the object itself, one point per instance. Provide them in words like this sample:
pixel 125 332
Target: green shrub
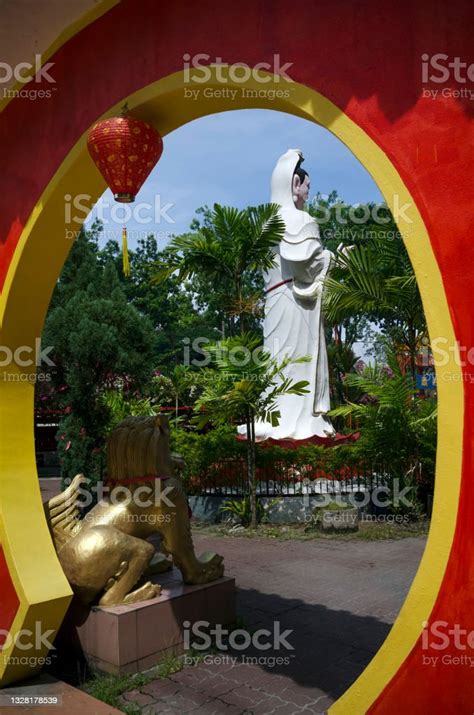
pixel 204 453
pixel 201 451
pixel 240 508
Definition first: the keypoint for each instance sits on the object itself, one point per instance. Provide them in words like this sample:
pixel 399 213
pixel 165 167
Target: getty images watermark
pixel 201 636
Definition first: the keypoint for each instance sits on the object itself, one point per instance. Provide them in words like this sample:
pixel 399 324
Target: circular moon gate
pixel 47 146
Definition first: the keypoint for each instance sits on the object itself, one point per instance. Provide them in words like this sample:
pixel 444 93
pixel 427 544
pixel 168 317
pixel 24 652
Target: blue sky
pixel 228 158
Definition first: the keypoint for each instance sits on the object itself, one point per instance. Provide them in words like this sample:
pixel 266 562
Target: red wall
pixel 366 57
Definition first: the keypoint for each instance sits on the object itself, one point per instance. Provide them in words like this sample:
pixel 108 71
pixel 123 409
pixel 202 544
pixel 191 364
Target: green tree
pixel 173 307
pixel 120 405
pixel 342 225
pixel 99 342
pixel 243 384
pixel 376 280
pixel 398 429
pixel 228 251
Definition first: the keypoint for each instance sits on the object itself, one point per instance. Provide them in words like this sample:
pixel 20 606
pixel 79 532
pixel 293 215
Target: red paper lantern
pixel 124 150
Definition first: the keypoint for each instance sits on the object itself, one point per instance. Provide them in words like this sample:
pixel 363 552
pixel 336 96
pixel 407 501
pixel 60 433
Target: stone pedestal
pixel 133 638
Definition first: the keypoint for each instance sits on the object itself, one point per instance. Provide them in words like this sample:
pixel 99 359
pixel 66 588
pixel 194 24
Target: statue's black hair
pixel 299 171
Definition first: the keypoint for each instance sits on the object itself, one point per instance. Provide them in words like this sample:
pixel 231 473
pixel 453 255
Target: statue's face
pixel 300 190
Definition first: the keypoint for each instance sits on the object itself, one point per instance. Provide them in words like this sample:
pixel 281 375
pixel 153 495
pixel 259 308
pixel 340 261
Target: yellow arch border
pixel 23 307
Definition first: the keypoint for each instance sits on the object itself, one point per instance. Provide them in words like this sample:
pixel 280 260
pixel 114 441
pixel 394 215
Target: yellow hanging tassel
pixel 126 263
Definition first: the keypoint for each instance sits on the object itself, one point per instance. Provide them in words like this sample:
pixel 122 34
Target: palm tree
pixel 377 279
pixel 231 249
pixel 121 405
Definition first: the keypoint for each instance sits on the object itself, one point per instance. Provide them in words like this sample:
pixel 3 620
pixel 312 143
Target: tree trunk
pixel 251 469
pixel 239 303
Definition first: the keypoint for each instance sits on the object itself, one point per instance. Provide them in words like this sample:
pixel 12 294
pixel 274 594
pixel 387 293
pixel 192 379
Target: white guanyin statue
pixel 293 321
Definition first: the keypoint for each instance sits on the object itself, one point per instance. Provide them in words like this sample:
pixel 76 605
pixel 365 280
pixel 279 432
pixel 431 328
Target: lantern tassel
pixel 125 259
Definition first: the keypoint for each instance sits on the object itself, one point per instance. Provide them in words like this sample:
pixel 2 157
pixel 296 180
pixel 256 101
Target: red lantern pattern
pixel 124 150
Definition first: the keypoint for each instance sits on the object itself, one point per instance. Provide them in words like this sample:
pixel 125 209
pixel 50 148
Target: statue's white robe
pixel 293 321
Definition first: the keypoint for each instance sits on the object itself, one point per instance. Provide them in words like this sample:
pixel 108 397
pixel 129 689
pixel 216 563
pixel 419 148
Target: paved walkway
pixel 338 598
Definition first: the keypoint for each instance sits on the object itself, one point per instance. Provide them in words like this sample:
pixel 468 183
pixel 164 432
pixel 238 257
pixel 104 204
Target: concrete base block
pixel 133 638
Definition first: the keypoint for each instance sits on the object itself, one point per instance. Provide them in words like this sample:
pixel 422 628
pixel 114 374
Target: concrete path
pixel 338 599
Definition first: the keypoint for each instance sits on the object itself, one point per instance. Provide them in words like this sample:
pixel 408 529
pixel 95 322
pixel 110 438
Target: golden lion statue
pixel 105 555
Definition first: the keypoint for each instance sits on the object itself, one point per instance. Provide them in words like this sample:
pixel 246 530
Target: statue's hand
pixel 310 291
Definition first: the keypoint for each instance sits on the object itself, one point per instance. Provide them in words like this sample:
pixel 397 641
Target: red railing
pixel 229 477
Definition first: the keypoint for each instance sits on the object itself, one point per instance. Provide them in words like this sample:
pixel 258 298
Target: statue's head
pixel 138 448
pixel 290 182
pixel 300 186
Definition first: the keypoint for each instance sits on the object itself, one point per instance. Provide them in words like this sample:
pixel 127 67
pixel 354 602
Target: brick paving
pixel 337 598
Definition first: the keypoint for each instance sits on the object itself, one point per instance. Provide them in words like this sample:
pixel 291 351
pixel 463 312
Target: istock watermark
pixel 239 356
pixel 444 351
pixel 17 355
pixel 29 643
pixel 441 636
pixel 25 356
pixel 25 73
pixel 27 639
pixel 144 213
pixel 440 68
pixel 155 492
pixel 201 68
pixel 381 496
pixel 360 214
